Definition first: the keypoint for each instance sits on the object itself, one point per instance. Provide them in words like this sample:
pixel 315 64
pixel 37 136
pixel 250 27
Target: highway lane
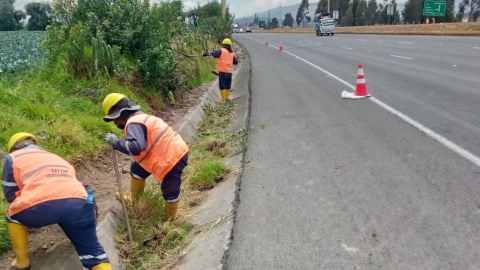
pixel 340 184
pixel 429 87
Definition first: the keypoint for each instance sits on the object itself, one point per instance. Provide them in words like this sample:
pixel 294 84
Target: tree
pixel 38 13
pixel 302 11
pixel 322 6
pixel 9 17
pixel 255 19
pixel 370 14
pixel 274 23
pixel 262 24
pixel 412 11
pixel 348 18
pixel 361 13
pixel 288 21
pixel 354 10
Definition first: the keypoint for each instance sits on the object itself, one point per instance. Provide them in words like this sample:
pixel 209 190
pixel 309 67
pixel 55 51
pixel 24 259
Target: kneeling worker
pixel 42 189
pixel 225 60
pixel 156 148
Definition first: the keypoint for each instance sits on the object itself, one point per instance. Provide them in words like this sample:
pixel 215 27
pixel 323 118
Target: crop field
pixel 19 49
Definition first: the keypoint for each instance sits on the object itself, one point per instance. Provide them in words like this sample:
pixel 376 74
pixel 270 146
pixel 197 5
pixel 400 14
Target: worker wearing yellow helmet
pixel 156 148
pixel 225 60
pixel 43 189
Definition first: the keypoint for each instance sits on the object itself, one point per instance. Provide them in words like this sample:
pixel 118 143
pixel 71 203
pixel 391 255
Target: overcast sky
pixel 238 7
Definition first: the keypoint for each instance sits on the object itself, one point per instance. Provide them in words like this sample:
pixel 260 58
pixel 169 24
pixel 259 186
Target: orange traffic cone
pixel 266 42
pixel 361 89
pixel 281 46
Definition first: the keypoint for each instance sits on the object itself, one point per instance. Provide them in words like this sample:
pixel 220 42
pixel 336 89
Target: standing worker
pixel 225 60
pixel 156 148
pixel 42 189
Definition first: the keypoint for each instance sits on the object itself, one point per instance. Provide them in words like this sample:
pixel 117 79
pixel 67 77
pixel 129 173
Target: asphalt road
pixel 342 184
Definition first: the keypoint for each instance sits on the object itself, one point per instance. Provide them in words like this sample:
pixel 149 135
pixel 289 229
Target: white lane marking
pixel 361 39
pixel 335 38
pixel 432 134
pixel 405 42
pixel 403 57
pixel 347 48
pixel 454 65
pixel 300 41
pixel 318 43
pixel 349 249
pixel 478 48
pixel 369 51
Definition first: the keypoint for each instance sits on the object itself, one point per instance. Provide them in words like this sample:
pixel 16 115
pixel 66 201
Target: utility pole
pixel 281 24
pixel 328 9
pixel 224 8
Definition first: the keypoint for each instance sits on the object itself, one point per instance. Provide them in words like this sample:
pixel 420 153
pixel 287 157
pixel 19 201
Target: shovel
pixel 122 199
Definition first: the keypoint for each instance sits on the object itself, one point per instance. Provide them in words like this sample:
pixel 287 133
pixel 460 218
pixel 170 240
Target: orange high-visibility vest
pixel 225 61
pixel 42 176
pixel 165 147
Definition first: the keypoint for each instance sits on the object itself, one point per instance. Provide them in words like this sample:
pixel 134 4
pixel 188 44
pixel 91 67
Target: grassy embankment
pixel 65 112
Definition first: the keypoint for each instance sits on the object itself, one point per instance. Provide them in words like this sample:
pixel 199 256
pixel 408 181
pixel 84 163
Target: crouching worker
pixel 225 60
pixel 156 148
pixel 42 189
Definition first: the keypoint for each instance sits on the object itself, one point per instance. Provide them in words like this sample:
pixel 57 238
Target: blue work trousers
pixel 76 218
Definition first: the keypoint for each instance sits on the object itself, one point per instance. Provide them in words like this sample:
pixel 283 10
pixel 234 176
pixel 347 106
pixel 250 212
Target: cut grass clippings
pixel 158 244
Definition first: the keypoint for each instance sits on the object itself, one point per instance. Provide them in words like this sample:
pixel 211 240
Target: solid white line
pixel 432 134
pixel 347 48
pixel 404 42
pixel 361 39
pixel 478 48
pixel 403 57
pixel 318 43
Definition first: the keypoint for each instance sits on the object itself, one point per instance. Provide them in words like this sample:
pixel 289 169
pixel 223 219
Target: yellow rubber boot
pixel 227 94
pixel 102 266
pixel 223 94
pixel 170 211
pixel 19 237
pixel 136 189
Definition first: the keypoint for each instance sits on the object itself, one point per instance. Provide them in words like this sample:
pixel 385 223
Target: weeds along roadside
pixel 157 244
pixel 89 54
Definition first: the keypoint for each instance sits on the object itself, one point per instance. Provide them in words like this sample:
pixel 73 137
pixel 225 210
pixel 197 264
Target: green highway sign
pixel 434 8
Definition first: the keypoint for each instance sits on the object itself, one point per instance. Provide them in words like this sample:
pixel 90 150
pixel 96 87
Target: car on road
pixel 241 31
pixel 249 30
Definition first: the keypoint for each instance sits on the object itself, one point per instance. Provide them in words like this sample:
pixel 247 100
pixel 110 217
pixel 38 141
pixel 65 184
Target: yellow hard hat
pixel 114 104
pixel 20 137
pixel 227 41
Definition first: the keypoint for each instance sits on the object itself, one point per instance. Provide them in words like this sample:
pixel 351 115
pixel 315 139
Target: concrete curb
pixel 214 219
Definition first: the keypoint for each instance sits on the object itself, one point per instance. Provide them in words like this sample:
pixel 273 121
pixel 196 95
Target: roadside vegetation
pixel 157 244
pixel 52 84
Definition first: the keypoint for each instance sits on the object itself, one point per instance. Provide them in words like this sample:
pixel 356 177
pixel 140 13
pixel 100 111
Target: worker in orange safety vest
pixel 156 148
pixel 43 189
pixel 225 60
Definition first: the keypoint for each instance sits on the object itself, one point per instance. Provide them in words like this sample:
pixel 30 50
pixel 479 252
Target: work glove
pixel 111 138
pixel 206 54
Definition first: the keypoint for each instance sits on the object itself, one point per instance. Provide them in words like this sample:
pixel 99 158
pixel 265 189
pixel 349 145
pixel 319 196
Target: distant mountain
pixel 275 12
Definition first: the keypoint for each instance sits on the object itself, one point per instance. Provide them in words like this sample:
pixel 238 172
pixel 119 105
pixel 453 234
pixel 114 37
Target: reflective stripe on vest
pixel 165 147
pixel 42 176
pixel 225 61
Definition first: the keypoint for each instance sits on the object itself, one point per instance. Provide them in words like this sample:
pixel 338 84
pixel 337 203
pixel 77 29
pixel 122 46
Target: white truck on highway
pixel 324 24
